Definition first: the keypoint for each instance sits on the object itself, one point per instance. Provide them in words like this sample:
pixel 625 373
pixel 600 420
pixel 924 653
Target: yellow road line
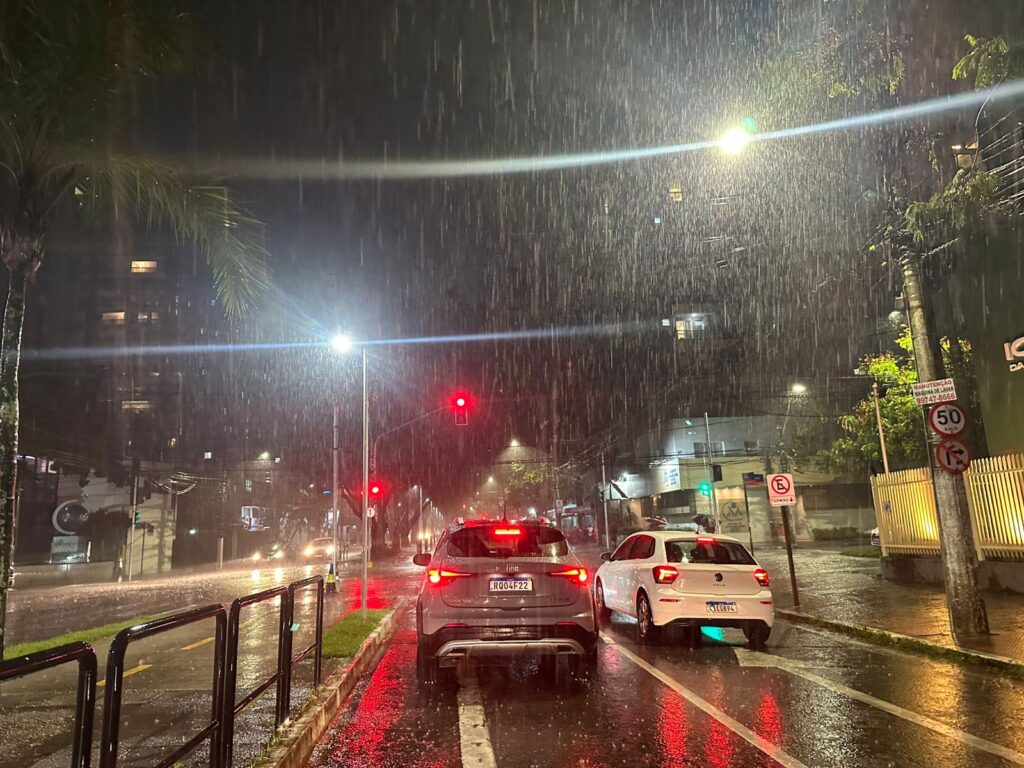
pixel 128 673
pixel 211 638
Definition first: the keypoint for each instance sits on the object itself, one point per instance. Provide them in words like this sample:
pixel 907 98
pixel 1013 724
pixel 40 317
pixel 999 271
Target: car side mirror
pixel 606 556
pixel 421 559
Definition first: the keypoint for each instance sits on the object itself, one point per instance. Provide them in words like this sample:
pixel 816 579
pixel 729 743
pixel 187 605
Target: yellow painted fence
pixel 905 508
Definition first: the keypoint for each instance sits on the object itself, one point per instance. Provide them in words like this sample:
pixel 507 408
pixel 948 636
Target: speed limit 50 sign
pixel 947 419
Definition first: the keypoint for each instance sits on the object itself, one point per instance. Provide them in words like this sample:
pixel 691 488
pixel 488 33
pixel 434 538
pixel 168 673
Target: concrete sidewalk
pixel 851 590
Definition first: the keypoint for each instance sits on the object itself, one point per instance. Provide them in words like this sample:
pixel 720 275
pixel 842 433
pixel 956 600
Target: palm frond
pixel 158 193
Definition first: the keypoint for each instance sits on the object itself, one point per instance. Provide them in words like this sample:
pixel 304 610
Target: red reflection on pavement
pixel 768 719
pixel 673 728
pixel 378 593
pixel 719 747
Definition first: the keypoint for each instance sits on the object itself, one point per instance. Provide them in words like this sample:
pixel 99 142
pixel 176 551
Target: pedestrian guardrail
pixel 231 707
pixel 85 700
pixel 219 730
pixel 908 525
pixel 316 647
pixel 115 680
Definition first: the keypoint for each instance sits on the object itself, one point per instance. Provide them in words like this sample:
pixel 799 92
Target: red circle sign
pixel 780 484
pixel 953 456
pixel 947 419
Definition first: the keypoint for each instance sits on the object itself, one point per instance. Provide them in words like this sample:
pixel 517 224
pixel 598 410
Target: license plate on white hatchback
pixel 720 606
pixel 512 584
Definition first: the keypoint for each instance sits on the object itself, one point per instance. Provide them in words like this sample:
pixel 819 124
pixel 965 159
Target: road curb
pixel 1004 664
pixel 292 747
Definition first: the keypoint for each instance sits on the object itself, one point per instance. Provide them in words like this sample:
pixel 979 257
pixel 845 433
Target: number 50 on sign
pixel 947 419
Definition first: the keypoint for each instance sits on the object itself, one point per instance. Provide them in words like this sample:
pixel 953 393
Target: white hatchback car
pixel 690 580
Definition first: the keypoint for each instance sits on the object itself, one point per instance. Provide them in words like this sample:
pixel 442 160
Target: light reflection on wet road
pixel 628 717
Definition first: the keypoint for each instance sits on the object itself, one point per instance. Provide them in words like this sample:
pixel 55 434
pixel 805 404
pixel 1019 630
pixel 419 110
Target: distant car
pixel 496 590
pixel 269 552
pixel 675 578
pixel 319 549
pixel 876 538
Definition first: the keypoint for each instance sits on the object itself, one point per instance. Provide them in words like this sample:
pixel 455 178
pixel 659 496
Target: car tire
pixel 427 666
pixel 757 635
pixel 646 629
pixel 604 613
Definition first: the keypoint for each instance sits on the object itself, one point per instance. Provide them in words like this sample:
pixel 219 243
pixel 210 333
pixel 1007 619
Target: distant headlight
pixel 278 555
pixel 329 549
pixel 308 551
pixel 256 555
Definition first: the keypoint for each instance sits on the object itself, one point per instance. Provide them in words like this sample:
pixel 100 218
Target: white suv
pixel 690 580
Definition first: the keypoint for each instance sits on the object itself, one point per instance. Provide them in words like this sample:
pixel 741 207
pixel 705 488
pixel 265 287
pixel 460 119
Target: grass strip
pixel 873 552
pixel 87 635
pixel 346 637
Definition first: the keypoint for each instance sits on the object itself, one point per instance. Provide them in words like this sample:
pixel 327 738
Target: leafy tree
pixel 67 71
pixel 855 448
pixel 991 61
pixel 531 483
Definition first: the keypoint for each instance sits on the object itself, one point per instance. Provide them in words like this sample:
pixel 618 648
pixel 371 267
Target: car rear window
pixel 507 541
pixel 713 553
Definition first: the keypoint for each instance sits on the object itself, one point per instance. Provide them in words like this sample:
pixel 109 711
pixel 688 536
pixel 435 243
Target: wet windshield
pixel 716 553
pixel 507 541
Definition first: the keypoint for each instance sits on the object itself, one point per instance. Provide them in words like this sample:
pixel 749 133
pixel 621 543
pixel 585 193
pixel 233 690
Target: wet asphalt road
pixel 811 699
pixel 168 677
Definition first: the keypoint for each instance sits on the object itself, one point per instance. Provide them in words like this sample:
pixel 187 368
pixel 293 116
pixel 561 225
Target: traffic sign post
pixel 953 456
pixel 782 493
pixel 947 419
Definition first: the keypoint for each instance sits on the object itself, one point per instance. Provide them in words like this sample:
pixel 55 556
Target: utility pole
pixel 604 501
pixel 708 468
pixel 967 615
pixel 335 492
pixel 881 431
pixel 366 487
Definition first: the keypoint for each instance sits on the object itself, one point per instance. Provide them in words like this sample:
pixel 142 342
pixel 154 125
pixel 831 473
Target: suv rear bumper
pixel 454 644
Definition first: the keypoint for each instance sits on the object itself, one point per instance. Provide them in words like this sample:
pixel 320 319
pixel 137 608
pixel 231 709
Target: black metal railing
pixel 85 701
pixel 219 730
pixel 316 647
pixel 231 707
pixel 115 679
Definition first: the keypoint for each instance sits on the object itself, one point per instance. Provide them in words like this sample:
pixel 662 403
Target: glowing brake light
pixel 665 574
pixel 574 574
pixel 508 532
pixel 761 575
pixel 439 576
pixel 705 539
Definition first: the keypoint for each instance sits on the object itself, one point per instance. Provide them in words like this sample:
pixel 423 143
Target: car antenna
pixel 504 510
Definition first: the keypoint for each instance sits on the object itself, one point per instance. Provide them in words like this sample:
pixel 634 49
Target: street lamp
pixel 734 140
pixel 798 389
pixel 343 344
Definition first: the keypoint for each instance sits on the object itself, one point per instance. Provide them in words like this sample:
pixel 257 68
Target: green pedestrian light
pixel 705 488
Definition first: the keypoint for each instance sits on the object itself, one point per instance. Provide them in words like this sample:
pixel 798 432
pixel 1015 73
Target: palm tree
pixel 67 71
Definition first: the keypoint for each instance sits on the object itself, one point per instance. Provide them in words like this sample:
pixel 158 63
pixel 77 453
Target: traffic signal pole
pixel 366 486
pixel 967 614
pixel 334 496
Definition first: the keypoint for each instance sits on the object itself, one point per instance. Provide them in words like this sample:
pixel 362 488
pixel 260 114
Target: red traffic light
pixel 376 489
pixel 461 403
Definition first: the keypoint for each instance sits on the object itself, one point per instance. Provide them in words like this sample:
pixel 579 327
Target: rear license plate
pixel 719 606
pixel 512 584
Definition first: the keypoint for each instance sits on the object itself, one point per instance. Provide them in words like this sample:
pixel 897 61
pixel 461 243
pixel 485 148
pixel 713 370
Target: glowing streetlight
pixel 265 456
pixel 342 343
pixel 514 443
pixel 798 389
pixel 734 140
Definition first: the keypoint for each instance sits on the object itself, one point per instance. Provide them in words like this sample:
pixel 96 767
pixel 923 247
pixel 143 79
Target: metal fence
pixel 85 701
pixel 908 525
pixel 219 728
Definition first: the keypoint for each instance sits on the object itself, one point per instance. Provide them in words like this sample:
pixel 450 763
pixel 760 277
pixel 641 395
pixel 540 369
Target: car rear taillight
pixel 665 574
pixel 705 539
pixel 579 575
pixel 439 576
pixel 761 575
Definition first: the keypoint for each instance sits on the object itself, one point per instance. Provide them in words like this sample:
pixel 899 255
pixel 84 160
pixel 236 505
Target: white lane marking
pixel 796 668
pixel 127 673
pixel 474 739
pixel 782 758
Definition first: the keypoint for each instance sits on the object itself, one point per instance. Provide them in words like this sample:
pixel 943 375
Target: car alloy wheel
pixel 603 611
pixel 645 620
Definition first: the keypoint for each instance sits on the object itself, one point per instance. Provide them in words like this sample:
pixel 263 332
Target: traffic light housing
pixel 461 403
pixel 704 488
pixel 716 473
pixel 376 489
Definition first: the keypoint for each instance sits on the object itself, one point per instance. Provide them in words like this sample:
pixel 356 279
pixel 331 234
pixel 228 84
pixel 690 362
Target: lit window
pixel 148 317
pixel 143 267
pixel 248 485
pixel 113 318
pixel 136 405
pixel 208 454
